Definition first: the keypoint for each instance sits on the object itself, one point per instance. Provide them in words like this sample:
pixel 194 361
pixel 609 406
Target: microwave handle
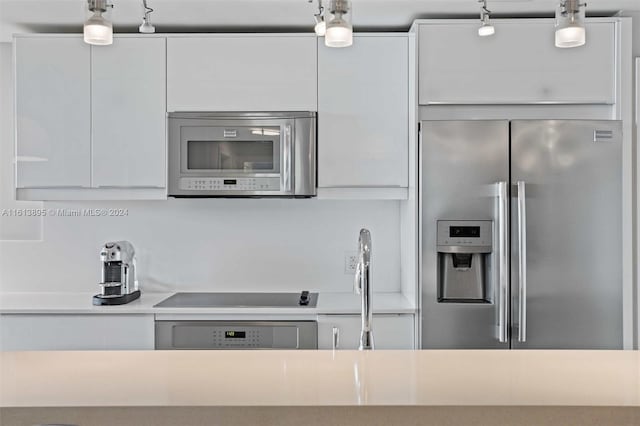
pixel 286 154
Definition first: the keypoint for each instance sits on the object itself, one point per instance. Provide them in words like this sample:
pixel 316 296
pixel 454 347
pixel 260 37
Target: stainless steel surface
pixel 305 156
pixel 236 335
pixel 503 263
pixel 286 154
pixel 483 243
pixel 289 172
pixel 464 249
pixel 522 260
pixel 335 343
pixel 362 286
pixel 574 233
pixel 237 300
pixel 460 164
pixel 558 233
pixel 118 275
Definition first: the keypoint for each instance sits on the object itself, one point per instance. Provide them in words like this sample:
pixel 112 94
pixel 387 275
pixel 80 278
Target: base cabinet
pixel 27 332
pixel 390 331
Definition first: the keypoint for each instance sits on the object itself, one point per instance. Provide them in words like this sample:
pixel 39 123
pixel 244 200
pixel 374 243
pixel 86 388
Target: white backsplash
pixel 211 245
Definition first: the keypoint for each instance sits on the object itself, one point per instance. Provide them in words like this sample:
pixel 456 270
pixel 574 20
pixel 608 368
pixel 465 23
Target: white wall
pixel 192 245
pixel 211 244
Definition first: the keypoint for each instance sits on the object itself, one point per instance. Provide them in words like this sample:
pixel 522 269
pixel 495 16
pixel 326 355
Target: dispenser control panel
pixel 476 235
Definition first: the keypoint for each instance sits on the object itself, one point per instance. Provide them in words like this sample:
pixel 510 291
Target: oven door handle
pixel 286 157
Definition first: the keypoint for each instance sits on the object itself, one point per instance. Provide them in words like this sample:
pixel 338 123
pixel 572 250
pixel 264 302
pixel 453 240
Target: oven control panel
pixel 230 184
pixel 236 335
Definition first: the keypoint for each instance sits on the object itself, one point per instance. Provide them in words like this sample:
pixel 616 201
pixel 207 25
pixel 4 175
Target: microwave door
pixel 230 151
pixel 233 160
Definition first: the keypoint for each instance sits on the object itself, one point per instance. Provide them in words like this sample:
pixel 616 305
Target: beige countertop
pixel 81 303
pixel 320 378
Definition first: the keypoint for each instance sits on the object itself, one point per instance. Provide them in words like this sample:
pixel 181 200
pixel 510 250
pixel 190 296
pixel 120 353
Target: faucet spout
pixel 362 287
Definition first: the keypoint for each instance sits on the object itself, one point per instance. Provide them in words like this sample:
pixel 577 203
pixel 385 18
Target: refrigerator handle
pixel 503 265
pixel 522 261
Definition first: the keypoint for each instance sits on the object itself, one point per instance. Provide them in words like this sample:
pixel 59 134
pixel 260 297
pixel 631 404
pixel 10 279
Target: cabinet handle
pixel 503 264
pixel 336 338
pixel 286 155
pixel 522 261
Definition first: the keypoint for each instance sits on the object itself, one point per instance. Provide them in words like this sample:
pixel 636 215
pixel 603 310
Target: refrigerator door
pixel 566 234
pixel 461 164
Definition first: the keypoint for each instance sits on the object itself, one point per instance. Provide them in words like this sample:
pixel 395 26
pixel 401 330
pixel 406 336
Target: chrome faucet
pixel 362 286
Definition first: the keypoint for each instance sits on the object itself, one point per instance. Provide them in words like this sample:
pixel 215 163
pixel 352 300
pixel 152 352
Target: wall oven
pixel 242 154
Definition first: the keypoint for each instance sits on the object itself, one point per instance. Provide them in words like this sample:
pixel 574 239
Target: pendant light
pixel 97 29
pixel 146 27
pixel 570 30
pixel 486 29
pixel 339 31
pixel 321 27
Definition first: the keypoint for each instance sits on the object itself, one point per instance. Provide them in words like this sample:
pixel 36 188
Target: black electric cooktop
pixel 240 300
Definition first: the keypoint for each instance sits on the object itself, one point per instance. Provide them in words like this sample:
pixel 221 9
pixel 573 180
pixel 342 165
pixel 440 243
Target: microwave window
pixel 247 156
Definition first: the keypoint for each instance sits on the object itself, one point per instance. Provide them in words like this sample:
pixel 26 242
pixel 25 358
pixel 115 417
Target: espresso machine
pixel 119 284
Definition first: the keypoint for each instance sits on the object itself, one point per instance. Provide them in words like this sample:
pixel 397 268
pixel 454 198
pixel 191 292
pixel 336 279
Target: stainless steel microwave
pixel 242 154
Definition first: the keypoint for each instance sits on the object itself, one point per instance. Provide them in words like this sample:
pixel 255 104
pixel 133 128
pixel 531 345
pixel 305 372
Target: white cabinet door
pixel 389 331
pixel 518 65
pixel 242 73
pixel 76 332
pixel 363 113
pixel 128 82
pixel 52 112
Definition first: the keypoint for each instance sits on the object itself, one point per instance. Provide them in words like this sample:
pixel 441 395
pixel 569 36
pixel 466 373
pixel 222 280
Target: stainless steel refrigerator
pixel 521 234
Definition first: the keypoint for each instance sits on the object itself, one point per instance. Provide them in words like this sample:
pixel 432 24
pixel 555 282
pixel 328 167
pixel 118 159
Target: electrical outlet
pixel 350 262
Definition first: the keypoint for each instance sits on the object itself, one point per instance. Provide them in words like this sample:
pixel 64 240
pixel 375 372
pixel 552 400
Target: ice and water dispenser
pixel 464 261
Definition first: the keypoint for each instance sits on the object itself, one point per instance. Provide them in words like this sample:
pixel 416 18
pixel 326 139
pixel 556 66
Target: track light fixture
pixel 486 29
pixel 98 30
pixel 570 30
pixel 320 27
pixel 146 27
pixel 339 31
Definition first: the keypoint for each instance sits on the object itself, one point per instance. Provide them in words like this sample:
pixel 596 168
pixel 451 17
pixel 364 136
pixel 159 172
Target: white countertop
pixel 81 303
pixel 320 378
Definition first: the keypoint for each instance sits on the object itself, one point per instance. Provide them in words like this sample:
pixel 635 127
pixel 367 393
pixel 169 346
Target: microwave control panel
pixel 230 184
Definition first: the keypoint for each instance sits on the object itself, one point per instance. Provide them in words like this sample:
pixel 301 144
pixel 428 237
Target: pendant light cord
pixel 147 9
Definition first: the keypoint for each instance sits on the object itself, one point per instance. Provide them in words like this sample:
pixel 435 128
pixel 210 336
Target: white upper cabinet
pixel 53 126
pixel 363 113
pixel 128 83
pixel 242 73
pixel 90 119
pixel 518 65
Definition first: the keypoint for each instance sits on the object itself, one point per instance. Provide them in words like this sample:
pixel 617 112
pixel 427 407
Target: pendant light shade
pixel 339 32
pixel 98 30
pixel 486 30
pixel 570 30
pixel 320 29
pixel 146 27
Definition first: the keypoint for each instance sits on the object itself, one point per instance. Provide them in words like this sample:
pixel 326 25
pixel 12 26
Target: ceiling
pixel 266 15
